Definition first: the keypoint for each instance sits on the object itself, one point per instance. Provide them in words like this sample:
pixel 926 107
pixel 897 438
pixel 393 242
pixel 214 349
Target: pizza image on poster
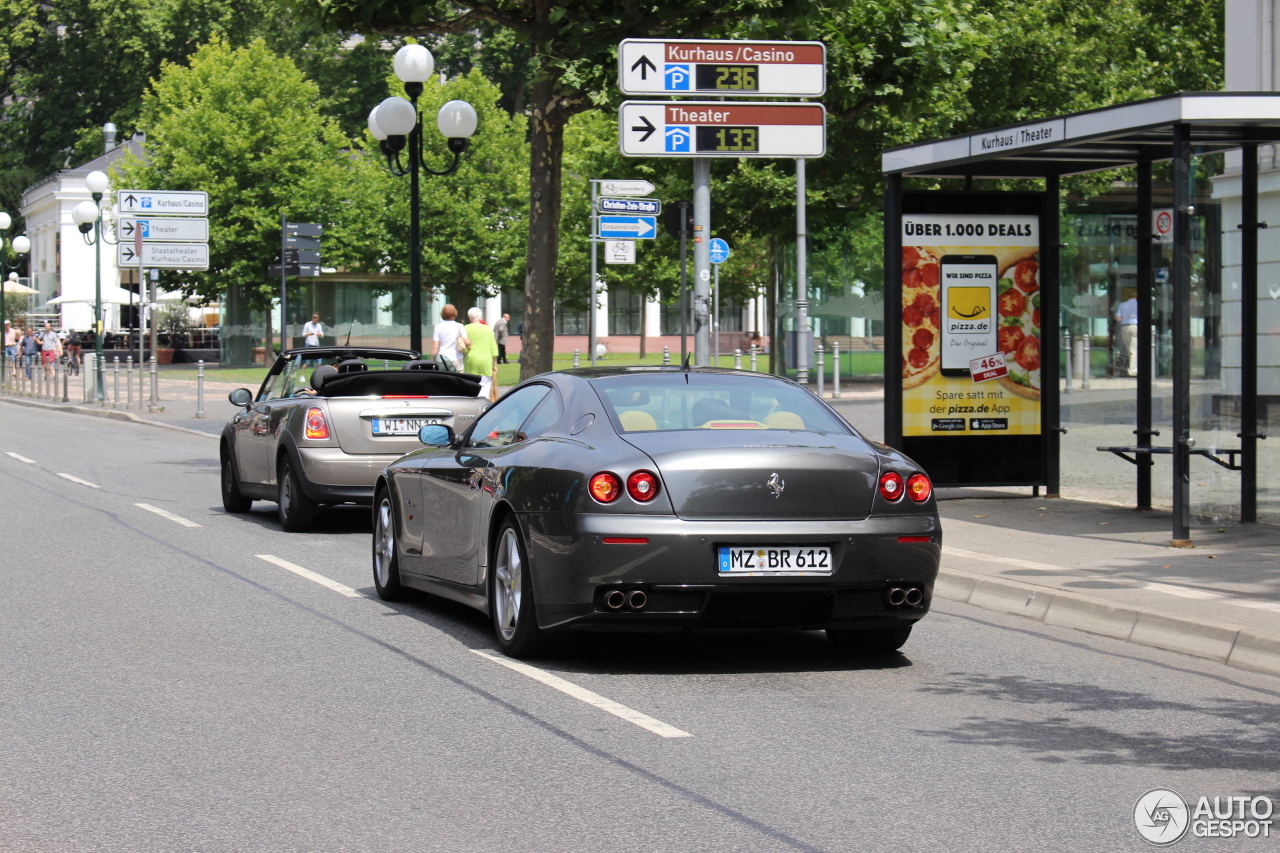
pixel 970 290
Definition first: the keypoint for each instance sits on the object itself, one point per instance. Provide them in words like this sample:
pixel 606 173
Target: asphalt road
pixel 163 687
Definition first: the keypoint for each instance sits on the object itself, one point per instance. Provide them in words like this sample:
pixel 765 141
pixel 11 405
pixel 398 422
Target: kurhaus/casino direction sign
pixel 735 68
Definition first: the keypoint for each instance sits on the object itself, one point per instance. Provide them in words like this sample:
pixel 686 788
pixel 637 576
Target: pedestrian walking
pixel 1127 317
pixel 11 338
pixel 482 353
pixel 29 349
pixel 50 348
pixel 449 341
pixel 312 331
pixel 500 334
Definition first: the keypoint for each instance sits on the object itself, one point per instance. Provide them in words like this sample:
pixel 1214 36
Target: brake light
pixel 891 486
pixel 626 540
pixel 605 487
pixel 642 486
pixel 914 539
pixel 919 488
pixel 406 396
pixel 317 426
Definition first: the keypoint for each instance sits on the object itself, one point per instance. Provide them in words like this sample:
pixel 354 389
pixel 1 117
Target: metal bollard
pixel 128 382
pixel 835 369
pixel 822 369
pixel 200 388
pixel 737 359
pixel 577 358
pixel 666 355
pixel 66 371
pixel 155 384
pixel 115 382
pixel 1066 363
pixel 754 353
pixel 386 365
pixel 1086 368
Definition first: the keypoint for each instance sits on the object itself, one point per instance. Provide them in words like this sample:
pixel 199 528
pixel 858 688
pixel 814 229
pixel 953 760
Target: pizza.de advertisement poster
pixel 970 324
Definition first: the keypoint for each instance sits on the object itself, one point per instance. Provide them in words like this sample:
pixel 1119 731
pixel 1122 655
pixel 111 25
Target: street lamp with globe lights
pixel 88 217
pixel 395 124
pixel 20 245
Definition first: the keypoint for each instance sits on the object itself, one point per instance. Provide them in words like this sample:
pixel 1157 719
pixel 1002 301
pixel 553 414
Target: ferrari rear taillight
pixel 605 487
pixel 891 487
pixel 919 488
pixel 317 426
pixel 642 486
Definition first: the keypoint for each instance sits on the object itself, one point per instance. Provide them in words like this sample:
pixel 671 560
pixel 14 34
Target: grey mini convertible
pixel 662 499
pixel 327 420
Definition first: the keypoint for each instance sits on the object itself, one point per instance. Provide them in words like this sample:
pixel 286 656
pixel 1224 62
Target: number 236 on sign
pixel 988 367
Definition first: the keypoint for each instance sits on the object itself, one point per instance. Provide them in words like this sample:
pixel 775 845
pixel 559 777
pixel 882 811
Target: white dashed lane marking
pixel 164 513
pixel 19 457
pixel 311 576
pixel 75 479
pixel 582 694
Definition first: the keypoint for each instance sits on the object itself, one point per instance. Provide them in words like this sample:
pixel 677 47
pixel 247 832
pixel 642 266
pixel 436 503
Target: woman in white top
pixel 449 340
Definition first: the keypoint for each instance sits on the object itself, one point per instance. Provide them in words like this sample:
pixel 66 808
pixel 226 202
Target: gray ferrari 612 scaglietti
pixel 327 420
pixel 640 498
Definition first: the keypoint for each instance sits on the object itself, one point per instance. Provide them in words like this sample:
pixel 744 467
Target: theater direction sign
pixel 721 129
pixel 168 256
pixel 728 68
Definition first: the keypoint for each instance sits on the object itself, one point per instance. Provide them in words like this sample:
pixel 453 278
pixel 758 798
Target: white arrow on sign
pixel 608 187
pixel 169 256
pixel 163 229
pixel 163 203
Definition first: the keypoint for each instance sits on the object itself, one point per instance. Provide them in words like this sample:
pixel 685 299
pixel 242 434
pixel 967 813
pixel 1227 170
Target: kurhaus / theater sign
pixel 1018 137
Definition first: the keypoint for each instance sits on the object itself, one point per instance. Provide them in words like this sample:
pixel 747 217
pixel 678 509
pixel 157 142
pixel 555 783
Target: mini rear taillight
pixel 605 487
pixel 891 486
pixel 317 426
pixel 919 488
pixel 642 486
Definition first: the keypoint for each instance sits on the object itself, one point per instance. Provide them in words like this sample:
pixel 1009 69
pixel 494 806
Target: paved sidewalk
pixel 1096 567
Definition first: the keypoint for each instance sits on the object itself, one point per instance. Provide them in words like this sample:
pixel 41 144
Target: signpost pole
pixel 802 282
pixel 702 261
pixel 591 302
pixel 684 297
pixel 715 315
pixel 284 289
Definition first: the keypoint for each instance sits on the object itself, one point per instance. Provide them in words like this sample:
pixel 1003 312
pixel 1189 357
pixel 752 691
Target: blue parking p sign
pixel 679 139
pixel 719 250
pixel 678 78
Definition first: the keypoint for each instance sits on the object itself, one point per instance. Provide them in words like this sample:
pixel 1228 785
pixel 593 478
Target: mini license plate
pixel 400 426
pixel 774 560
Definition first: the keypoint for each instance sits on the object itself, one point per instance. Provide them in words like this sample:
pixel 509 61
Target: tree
pixel 573 47
pixel 243 125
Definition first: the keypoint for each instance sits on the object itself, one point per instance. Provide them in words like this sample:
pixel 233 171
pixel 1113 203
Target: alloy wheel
pixel 507 584
pixel 386 543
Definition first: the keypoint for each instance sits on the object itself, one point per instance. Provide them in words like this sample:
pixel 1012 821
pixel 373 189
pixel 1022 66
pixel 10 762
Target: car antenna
pixel 685 366
pixel 349 329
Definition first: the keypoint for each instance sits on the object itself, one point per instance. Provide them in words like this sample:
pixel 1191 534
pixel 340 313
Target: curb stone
pixel 103 413
pixel 1234 645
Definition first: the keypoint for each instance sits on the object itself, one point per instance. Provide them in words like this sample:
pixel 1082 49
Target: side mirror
pixel 240 397
pixel 436 435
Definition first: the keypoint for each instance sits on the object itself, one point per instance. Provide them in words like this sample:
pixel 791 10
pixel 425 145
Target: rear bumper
pixel 332 476
pixel 676 569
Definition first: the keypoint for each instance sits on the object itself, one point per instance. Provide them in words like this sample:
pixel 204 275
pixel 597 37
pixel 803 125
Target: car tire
pixel 297 511
pixel 511 607
pixel 869 641
pixel 386 559
pixel 232 499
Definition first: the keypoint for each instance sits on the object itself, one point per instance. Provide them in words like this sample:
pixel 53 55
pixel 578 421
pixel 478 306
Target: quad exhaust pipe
pixel 616 599
pixel 910 596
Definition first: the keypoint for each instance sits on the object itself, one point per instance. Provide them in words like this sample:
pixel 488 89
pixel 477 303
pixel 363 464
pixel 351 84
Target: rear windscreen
pixel 686 401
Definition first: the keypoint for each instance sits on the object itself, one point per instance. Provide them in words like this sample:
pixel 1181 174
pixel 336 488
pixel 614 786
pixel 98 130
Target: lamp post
pixel 88 217
pixel 395 123
pixel 20 245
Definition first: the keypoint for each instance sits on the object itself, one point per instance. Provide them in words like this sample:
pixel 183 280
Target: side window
pixel 283 383
pixel 547 413
pixel 272 387
pixel 497 427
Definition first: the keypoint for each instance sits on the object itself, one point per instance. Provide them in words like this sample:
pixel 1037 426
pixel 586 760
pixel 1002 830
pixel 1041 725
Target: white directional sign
pixel 169 256
pixel 721 129
pixel 185 229
pixel 731 68
pixel 627 188
pixel 629 227
pixel 163 203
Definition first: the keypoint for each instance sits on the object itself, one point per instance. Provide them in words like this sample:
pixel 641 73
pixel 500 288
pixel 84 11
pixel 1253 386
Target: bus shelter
pixel 1184 385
